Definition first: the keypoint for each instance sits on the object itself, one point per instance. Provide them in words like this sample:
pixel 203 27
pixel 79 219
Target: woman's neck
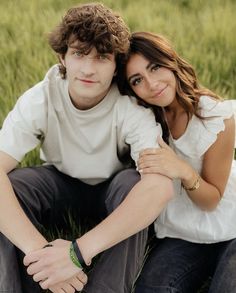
pixel 177 120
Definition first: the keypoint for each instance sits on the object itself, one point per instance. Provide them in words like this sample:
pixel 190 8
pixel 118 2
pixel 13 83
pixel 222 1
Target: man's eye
pixel 102 57
pixel 78 54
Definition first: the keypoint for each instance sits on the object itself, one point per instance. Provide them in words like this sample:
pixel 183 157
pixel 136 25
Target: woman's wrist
pixel 191 181
pixel 188 173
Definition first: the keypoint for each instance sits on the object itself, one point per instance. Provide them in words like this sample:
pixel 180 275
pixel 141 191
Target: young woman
pixel 196 232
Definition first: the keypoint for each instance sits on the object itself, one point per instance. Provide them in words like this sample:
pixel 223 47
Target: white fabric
pixel 182 218
pixel 83 144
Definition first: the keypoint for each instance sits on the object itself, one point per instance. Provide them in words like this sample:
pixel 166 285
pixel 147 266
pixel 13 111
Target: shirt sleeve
pixel 140 128
pixel 24 126
pixel 201 134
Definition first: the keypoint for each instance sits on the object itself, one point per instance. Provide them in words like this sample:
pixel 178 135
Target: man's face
pixel 89 76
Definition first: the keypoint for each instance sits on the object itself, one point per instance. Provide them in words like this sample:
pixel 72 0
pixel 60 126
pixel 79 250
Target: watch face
pixel 195 186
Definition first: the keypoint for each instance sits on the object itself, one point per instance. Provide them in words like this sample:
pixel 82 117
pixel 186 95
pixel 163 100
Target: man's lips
pixel 87 80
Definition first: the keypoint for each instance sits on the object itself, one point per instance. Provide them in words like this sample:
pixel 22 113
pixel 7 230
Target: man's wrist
pixel 35 246
pixel 84 251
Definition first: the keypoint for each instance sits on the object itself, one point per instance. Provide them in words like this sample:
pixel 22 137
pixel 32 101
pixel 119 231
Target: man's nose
pixel 87 67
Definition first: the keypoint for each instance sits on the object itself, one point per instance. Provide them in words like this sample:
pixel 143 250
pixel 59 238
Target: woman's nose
pixel 152 83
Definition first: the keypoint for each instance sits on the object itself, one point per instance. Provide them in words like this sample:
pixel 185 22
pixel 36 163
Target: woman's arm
pixel 215 170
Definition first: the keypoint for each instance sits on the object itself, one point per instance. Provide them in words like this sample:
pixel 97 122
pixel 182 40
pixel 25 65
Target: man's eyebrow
pixel 74 47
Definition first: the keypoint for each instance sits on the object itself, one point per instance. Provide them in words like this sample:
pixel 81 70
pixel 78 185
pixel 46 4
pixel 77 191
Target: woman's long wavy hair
pixel 157 49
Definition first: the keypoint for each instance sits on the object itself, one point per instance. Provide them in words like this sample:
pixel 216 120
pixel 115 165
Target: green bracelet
pixel 74 258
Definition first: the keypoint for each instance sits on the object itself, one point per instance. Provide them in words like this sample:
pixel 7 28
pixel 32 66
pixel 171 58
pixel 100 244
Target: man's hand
pixel 72 285
pixel 51 265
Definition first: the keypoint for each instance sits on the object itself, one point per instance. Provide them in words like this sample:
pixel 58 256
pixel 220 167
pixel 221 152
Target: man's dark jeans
pixel 46 196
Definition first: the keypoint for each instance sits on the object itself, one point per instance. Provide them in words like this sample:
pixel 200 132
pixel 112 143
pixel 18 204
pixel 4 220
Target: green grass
pixel 202 31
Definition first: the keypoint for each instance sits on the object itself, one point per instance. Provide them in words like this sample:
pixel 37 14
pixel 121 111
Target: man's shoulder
pixel 40 91
pixel 122 100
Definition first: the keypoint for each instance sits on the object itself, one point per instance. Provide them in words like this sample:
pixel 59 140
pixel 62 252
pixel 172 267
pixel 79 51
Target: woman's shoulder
pixel 210 107
pixel 202 133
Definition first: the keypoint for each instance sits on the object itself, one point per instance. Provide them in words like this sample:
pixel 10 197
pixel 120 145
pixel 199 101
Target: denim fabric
pixel 117 268
pixel 224 278
pixel 46 195
pixel 178 266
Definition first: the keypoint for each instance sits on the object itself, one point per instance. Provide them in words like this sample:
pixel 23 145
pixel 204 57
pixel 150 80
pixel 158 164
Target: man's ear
pixel 62 59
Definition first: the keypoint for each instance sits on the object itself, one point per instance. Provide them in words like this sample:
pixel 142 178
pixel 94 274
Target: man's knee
pixel 120 186
pixel 125 179
pixel 29 185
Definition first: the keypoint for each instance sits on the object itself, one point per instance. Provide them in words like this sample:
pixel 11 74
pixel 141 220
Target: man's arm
pixel 14 224
pixel 140 208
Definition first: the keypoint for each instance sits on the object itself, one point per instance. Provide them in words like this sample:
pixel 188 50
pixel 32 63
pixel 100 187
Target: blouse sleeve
pixel 202 133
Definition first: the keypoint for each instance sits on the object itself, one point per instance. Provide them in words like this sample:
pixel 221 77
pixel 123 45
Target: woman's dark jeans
pixel 178 266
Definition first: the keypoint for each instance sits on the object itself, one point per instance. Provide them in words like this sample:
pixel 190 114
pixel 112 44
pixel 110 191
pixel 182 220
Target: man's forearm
pixel 140 208
pixel 14 224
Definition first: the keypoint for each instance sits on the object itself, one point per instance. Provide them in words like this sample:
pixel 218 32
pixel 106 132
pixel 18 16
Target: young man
pixel 85 127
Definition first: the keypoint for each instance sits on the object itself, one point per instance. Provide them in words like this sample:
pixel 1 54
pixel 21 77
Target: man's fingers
pixel 82 277
pixel 77 284
pixel 34 256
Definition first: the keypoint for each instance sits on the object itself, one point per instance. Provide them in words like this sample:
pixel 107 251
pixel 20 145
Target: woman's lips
pixel 157 94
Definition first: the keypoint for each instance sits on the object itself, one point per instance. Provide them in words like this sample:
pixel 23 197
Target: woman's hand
pixel 163 161
pixel 51 266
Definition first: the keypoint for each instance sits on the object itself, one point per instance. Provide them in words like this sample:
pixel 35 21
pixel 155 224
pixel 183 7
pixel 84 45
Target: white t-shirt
pixel 182 218
pixel 84 144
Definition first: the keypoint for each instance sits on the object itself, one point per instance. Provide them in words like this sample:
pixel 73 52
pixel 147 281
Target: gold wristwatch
pixel 195 185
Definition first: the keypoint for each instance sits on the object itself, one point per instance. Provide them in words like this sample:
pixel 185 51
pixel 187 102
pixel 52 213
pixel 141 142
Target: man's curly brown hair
pixel 95 26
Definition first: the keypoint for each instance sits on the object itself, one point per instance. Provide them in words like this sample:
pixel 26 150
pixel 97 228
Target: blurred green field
pixel 202 31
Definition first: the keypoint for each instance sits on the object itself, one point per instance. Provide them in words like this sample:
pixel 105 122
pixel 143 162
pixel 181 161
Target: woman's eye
pixel 155 67
pixel 136 81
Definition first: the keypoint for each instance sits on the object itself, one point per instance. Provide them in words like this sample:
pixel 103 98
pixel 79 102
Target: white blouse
pixel 182 218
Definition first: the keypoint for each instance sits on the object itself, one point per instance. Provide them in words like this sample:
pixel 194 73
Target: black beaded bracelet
pixel 78 253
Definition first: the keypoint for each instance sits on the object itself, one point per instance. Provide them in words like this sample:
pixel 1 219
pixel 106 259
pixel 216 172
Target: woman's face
pixel 154 84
